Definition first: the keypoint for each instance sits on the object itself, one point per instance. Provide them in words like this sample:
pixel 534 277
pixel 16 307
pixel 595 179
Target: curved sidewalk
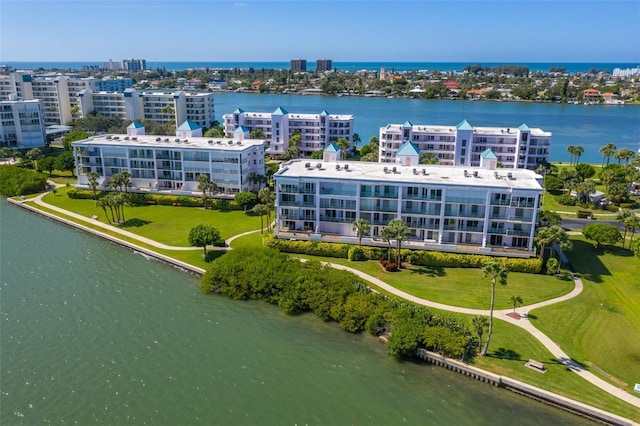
pixel 523 323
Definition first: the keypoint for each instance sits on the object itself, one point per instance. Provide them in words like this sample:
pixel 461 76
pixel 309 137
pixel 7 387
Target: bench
pixel 536 365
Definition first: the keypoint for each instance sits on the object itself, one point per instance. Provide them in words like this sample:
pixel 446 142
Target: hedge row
pixel 415 257
pixel 163 200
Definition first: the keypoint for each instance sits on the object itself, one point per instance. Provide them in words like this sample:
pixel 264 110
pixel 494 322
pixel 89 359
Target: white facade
pixel 446 208
pixel 22 124
pixel 157 106
pixel 316 130
pixel 161 163
pixel 461 145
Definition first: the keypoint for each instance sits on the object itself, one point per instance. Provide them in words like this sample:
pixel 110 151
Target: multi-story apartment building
pixel 22 124
pixel 171 164
pixel 461 145
pixel 316 130
pixel 447 208
pixel 323 65
pixel 159 106
pixel 298 65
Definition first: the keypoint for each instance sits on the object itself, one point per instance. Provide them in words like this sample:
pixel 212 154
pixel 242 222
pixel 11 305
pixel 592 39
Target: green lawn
pixel 464 287
pixel 601 327
pixel 166 224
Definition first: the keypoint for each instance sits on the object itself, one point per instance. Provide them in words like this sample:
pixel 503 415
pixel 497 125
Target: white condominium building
pixel 447 208
pixel 518 147
pixel 159 106
pixel 171 164
pixel 22 124
pixel 316 130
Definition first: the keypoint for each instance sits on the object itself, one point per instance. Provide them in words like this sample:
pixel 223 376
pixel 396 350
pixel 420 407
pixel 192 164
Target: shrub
pixel 566 200
pixel 81 194
pixel 612 208
pixel 583 214
pixel 455 260
pixel 18 181
pixel 627 205
pixel 552 266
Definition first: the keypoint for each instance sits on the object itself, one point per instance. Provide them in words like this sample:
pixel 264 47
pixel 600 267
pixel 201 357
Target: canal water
pixel 590 126
pixel 92 333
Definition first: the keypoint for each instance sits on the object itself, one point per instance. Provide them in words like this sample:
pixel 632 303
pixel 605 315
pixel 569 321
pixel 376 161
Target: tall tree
pixel 579 150
pixel 344 146
pixel 607 151
pixel 479 323
pixel 633 224
pixel 387 235
pixel 203 185
pixel 497 272
pixel 362 227
pixel 601 234
pixel 266 197
pixel 245 199
pixel 516 301
pixel 571 149
pixel 261 210
pixel 400 232
pixel 622 217
pixel 92 178
pixel 34 154
pixel 428 158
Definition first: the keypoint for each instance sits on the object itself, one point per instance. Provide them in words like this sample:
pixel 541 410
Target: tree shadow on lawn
pixel 586 257
pixel 504 353
pixel 430 271
pixel 213 255
pixel 563 361
pixel 134 223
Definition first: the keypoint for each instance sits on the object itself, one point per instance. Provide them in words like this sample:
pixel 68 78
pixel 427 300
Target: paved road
pixel 578 224
pixel 523 323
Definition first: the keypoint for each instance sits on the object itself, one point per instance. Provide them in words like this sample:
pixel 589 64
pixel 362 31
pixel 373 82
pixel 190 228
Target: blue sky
pixel 263 30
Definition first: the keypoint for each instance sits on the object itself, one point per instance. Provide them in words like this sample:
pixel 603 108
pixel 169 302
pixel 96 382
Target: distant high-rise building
pixel 323 65
pixel 298 65
pixel 134 65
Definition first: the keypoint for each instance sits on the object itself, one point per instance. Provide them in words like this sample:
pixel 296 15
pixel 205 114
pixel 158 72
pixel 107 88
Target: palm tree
pixel 516 301
pixel 579 150
pixel 103 204
pixel 387 234
pixel 571 149
pixel 266 197
pixel 626 154
pixel 344 145
pixel 203 185
pixel 400 232
pixel 92 177
pixel 125 177
pixel 261 210
pixel 622 217
pixel 632 223
pixel 362 227
pixel 619 155
pixel 585 188
pixel 479 323
pixel 428 158
pixel 607 151
pixel 498 274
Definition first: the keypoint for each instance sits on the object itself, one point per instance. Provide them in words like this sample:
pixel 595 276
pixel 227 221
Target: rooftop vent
pixel 307 165
pixel 395 170
pixel 116 137
pixel 475 173
pixel 134 138
pixel 510 175
pixel 239 143
pixel 210 142
pixel 166 139
pixel 386 170
pixel 158 139
pixel 108 137
pixel 337 166
pixel 126 138
pixel 319 166
pixel 230 142
pixel 177 140
pixel 218 142
pixel 346 167
pixel 424 172
pixel 466 173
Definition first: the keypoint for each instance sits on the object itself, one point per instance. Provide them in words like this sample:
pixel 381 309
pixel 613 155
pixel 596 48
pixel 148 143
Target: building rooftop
pixel 170 142
pixel 422 174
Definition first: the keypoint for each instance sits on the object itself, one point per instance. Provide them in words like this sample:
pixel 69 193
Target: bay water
pixel 93 333
pixel 590 126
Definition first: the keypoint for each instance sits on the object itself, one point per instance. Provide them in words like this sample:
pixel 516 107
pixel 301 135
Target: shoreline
pixel 541 395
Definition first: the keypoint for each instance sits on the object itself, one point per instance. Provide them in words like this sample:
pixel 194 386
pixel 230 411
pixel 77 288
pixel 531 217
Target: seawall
pixel 167 259
pixel 530 391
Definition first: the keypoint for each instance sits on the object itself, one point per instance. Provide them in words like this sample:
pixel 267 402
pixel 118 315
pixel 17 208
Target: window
pixel 464 142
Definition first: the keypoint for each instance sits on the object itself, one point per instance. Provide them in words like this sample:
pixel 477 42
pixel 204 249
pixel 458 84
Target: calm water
pixel 588 125
pixel 93 333
pixel 571 67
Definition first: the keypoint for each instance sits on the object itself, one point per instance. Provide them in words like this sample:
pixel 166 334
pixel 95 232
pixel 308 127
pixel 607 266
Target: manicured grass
pixel 252 241
pixel 601 327
pixel 464 287
pixel 166 224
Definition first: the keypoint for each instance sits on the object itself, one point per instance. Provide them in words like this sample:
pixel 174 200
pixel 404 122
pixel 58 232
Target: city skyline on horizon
pixel 355 31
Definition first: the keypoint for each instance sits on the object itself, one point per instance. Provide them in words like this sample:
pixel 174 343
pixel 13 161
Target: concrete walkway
pixel 523 322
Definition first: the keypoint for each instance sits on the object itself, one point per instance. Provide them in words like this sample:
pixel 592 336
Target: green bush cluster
pixel 15 180
pixel 163 200
pixel 334 295
pixel 455 260
pixel 583 214
pixel 313 248
pixel 566 200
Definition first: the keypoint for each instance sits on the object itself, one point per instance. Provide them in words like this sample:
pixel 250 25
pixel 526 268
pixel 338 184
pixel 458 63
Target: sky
pixel 345 31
